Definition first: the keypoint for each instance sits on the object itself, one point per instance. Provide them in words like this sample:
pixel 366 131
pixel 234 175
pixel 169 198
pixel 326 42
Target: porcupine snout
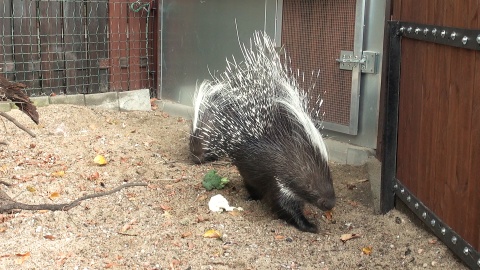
pixel 326 204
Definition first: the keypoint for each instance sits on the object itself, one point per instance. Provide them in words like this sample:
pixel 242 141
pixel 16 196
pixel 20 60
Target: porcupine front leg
pixel 292 212
pixel 290 208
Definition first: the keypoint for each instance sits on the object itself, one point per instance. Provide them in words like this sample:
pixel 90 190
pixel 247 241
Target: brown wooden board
pixel 439 126
pixel 25 38
pixel 119 66
pixel 7 66
pixel 51 46
pixel 137 48
pixel 75 47
pixel 98 45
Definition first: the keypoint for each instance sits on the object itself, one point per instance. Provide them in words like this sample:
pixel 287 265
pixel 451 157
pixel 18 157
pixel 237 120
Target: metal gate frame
pixel 391 187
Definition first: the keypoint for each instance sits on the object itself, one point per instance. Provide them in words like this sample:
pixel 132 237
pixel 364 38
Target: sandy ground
pixel 163 225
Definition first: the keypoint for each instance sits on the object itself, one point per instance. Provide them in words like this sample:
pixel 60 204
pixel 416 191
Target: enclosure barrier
pixel 391 184
pixel 78 46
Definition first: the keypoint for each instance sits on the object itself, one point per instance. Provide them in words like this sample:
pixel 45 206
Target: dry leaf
pixel 212 234
pixel 367 250
pixel 49 237
pixel 186 234
pixel 94 176
pixel 235 213
pixel 353 203
pixel 279 237
pixel 22 257
pixel 432 241
pixel 31 189
pixel 111 264
pixel 3 229
pixel 328 215
pixel 54 195
pixel 58 174
pixel 165 207
pixel 100 160
pixel 349 236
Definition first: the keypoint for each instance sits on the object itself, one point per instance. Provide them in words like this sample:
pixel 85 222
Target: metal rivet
pixel 454 240
pixel 464 40
pixel 434 31
pixel 453 35
pixel 417 30
pixel 402 29
pixel 478 262
pixel 424 215
pixel 395 186
pixel 425 31
pixel 409 29
pixel 409 199
pixel 402 190
pixel 443 231
pixel 443 33
pixel 416 205
pixel 432 222
pixel 478 39
pixel 466 250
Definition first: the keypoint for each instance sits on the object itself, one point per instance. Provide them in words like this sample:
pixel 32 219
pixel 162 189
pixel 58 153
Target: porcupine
pixel 256 114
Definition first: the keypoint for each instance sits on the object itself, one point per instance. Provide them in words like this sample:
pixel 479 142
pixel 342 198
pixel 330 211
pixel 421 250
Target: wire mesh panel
pixel 313 34
pixel 77 46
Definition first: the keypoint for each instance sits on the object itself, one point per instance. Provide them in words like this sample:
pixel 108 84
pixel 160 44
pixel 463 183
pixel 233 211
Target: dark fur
pixel 282 157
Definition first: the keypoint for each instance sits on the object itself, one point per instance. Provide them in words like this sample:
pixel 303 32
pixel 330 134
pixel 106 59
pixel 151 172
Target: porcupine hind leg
pixel 290 209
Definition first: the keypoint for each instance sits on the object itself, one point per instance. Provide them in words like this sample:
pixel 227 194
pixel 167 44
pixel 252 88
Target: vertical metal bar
pixel 357 72
pixel 160 54
pixel 389 163
pixel 278 23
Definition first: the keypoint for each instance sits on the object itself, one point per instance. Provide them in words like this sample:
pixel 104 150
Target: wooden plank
pixel 25 38
pixel 97 35
pixel 7 66
pixel 75 47
pixel 137 48
pixel 119 77
pixel 51 47
pixel 473 203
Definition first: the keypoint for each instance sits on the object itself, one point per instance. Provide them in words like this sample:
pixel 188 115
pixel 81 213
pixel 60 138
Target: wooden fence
pixel 78 46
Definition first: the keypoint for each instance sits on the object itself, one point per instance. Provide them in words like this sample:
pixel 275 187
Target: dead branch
pixel 22 127
pixel 5 183
pixel 65 206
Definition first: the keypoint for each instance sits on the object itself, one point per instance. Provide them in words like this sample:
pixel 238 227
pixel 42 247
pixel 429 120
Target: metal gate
pixel 327 35
pixel 432 131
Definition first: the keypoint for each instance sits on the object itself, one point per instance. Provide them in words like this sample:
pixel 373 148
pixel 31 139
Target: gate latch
pixel 367 61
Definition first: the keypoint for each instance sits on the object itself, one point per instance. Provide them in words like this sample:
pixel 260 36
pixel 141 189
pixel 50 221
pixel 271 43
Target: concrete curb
pixel 135 100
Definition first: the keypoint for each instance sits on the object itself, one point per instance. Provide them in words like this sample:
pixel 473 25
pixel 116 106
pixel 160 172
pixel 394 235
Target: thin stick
pixel 64 206
pixel 11 119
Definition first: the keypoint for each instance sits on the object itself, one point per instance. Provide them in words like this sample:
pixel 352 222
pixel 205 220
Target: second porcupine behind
pixel 256 114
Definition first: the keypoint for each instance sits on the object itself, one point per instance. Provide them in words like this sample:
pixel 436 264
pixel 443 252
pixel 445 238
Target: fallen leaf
pixel 49 237
pixel 235 213
pixel 54 195
pixel 58 174
pixel 165 207
pixel 186 234
pixel 212 234
pixel 353 203
pixel 100 160
pixel 111 265
pixel 328 215
pixel 349 236
pixel 22 257
pixel 94 176
pixel 201 219
pixel 432 241
pixel 32 145
pixel 367 250
pixel 279 237
pixel 3 229
pixel 31 189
